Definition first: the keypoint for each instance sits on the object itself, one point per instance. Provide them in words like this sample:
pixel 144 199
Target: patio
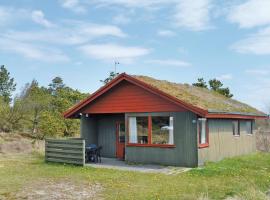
pixel 112 163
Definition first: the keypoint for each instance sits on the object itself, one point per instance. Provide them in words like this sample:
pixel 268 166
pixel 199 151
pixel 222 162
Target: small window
pixel 249 127
pixel 162 130
pixel 138 130
pixel 203 132
pixel 235 127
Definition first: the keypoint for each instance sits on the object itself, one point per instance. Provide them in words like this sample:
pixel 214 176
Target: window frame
pixel 149 144
pixel 251 127
pixel 206 144
pixel 238 128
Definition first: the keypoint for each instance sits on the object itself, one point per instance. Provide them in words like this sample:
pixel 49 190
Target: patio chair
pixel 98 155
pixel 90 153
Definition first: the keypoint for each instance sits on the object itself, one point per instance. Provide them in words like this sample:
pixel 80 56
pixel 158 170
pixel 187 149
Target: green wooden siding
pixel 101 130
pixel 223 144
pixel 71 151
pixel 106 131
pixel 185 139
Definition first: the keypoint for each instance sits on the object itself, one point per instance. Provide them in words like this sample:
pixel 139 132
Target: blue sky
pixel 176 40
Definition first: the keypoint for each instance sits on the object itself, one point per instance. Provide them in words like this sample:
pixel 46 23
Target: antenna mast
pixel 115 63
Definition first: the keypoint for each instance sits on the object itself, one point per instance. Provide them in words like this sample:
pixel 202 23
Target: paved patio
pixel 111 163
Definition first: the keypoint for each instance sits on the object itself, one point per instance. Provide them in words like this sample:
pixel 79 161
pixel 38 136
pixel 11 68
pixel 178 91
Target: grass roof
pixel 200 97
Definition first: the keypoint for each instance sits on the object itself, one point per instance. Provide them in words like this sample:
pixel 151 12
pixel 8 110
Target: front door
pixel 120 140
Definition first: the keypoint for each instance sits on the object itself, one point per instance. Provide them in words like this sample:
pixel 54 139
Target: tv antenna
pixel 115 64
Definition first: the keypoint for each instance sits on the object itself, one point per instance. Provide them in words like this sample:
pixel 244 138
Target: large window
pixel 203 133
pixel 151 130
pixel 162 130
pixel 235 128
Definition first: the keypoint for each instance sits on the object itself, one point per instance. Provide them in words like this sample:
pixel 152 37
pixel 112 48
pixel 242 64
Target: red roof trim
pixel 139 83
pixel 123 76
pixel 234 116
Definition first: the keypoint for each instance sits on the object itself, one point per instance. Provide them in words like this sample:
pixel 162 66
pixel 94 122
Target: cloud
pixel 225 77
pixel 258 72
pixel 250 13
pixel 166 33
pixel 8 15
pixel 258 43
pixel 121 19
pixel 193 15
pixel 31 51
pixel 112 52
pixel 39 18
pixel 76 33
pixel 73 5
pixel 169 62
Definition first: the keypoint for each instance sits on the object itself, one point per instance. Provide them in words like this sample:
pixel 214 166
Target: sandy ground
pixel 59 189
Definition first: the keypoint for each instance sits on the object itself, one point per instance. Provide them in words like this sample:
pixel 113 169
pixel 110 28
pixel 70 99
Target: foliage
pixel 214 85
pixel 37 109
pixel 245 177
pixel 112 75
pixel 201 83
pixel 7 85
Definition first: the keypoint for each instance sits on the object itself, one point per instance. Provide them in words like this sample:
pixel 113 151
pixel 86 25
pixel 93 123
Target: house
pixel 143 120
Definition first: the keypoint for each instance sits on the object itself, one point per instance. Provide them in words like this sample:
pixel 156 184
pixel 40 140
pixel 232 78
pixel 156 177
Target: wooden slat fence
pixel 71 151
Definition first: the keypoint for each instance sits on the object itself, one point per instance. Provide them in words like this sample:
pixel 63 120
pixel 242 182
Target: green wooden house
pixel 144 120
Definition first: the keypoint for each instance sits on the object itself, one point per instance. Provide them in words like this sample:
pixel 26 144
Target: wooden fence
pixel 71 151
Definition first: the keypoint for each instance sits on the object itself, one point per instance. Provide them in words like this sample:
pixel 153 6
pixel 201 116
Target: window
pixel 151 131
pixel 138 130
pixel 249 127
pixel 203 132
pixel 235 127
pixel 162 130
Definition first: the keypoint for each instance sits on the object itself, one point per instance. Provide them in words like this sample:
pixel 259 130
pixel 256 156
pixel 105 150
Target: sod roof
pixel 200 97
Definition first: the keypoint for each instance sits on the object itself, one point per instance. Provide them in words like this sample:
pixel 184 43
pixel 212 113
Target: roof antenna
pixel 115 63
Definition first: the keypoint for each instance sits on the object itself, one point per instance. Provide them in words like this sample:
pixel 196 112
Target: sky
pixel 174 40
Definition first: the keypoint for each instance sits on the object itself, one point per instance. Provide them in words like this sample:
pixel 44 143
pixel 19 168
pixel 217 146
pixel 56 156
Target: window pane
pixel 122 132
pixel 235 126
pixel 162 130
pixel 132 130
pixel 249 127
pixel 138 130
pixel 202 131
pixel 142 130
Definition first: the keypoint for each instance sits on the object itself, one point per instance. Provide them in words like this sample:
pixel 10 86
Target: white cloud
pixel 121 19
pixel 225 77
pixel 251 13
pixel 73 5
pixel 258 72
pixel 258 43
pixel 39 18
pixel 193 15
pixel 75 33
pixel 166 33
pixel 169 62
pixel 112 52
pixel 31 51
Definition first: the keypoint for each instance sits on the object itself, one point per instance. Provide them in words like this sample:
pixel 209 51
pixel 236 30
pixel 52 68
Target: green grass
pixel 247 177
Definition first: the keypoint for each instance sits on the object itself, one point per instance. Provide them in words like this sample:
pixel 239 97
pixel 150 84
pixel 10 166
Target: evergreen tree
pixel 7 85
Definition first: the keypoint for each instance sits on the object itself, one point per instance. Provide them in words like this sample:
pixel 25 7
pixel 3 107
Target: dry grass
pixel 200 97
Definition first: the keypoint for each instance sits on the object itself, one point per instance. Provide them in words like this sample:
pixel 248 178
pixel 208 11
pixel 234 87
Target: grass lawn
pixel 247 177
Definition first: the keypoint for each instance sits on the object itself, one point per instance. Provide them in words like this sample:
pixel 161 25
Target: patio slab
pixel 111 163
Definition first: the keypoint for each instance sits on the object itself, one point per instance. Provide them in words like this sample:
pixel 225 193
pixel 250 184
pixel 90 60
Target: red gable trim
pixel 201 112
pixel 139 83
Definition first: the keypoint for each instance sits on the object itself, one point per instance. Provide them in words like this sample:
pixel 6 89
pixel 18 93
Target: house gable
pixel 128 97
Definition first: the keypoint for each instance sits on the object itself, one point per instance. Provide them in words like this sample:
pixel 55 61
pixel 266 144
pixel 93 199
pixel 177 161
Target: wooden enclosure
pixel 70 151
